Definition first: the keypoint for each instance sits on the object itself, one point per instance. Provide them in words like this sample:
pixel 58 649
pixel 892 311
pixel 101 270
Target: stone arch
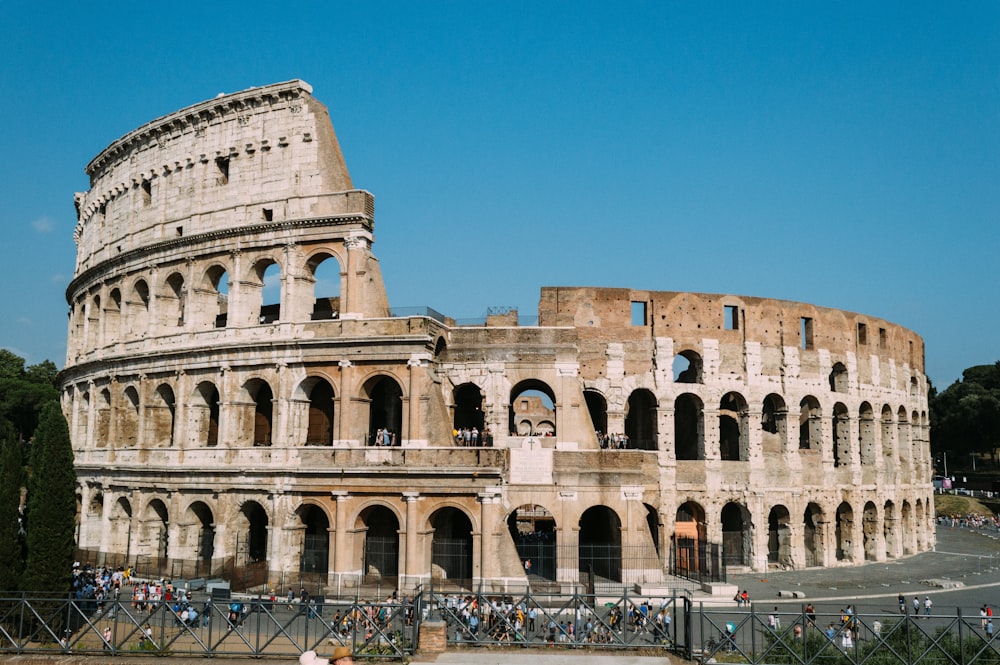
pixel 597 407
pixel 841 435
pixel 469 408
pixel 81 405
pixel 737 535
pixel 533 530
pixel 689 427
pixel 532 402
pixel 200 534
pixel 102 428
pixel 252 531
pixel 171 301
pixel 902 436
pixel 891 530
pixel 779 536
pixel 600 553
pixel 112 316
pixel 319 420
pixel 653 524
pixel 128 424
pixel 774 423
pixel 379 546
pixel 216 289
pixel 94 323
pixel 325 269
pixel 845 532
pixel 838 378
pixel 385 409
pixel 733 428
pixel 203 414
pixel 871 527
pixel 810 424
pixel 451 544
pixel 262 290
pixel 120 527
pixel 688 367
pixel 138 309
pixel 160 417
pixel 690 539
pixel 920 532
pixel 257 412
pixel 812 534
pixel 640 420
pixel 866 434
pixel 315 557
pixel 155 529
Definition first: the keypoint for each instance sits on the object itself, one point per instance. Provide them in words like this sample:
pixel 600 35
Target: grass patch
pixel 955 504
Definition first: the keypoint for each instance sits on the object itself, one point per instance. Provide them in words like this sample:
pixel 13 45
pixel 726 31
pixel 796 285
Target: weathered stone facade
pixel 317 432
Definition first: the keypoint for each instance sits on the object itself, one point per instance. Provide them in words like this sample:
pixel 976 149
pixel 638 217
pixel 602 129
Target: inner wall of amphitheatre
pixel 240 392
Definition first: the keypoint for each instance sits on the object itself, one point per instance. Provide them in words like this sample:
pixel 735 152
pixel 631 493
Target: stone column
pixel 338 537
pixel 351 294
pixel 345 400
pixel 489 547
pixel 411 558
pixel 414 435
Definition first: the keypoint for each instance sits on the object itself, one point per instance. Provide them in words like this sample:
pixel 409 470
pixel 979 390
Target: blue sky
pixel 844 154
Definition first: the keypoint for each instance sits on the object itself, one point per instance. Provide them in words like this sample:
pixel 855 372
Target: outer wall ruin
pixel 230 401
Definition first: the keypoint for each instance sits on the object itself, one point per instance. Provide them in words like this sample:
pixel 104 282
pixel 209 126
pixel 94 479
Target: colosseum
pixel 240 390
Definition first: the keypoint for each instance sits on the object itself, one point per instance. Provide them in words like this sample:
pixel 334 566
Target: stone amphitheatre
pixel 227 404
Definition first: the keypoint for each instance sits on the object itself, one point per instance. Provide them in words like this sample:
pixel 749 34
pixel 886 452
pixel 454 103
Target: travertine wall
pixel 314 431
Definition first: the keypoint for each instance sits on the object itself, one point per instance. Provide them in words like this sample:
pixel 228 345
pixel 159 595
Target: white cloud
pixel 43 225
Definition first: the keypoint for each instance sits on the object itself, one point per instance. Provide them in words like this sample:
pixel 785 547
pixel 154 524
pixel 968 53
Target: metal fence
pixel 383 630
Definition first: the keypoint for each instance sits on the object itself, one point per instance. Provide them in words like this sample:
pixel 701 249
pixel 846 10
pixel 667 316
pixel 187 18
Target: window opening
pixel 732 317
pixel 881 338
pixel 638 313
pixel 147 192
pixel 268 214
pixel 806 332
pixel 223 164
pixel 862 334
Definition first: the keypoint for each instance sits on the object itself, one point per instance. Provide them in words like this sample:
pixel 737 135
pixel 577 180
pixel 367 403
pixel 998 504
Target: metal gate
pixel 381 556
pixel 454 557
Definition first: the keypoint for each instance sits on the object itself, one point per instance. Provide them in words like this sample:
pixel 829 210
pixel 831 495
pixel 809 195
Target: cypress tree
pixel 51 506
pixel 11 544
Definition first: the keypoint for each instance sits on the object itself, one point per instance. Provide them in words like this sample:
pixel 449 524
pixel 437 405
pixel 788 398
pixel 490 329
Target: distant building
pixel 230 407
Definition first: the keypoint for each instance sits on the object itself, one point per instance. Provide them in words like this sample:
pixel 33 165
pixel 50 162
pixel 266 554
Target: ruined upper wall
pixel 605 314
pixel 262 155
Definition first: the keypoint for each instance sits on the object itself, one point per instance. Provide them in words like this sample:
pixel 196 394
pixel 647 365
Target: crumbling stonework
pixel 316 431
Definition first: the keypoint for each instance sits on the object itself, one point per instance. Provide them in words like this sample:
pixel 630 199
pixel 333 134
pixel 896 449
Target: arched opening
pixel 533 529
pixel 469 417
pixel 259 394
pixel 653 524
pixel 812 534
pixel 871 527
pixel 252 532
pixel 919 530
pixel 94 323
pixel 640 420
pixel 325 269
pixel 103 425
pixel 810 424
pixel 264 289
pixel 737 535
pixel 689 427
pixel 902 436
pixel 128 426
pixel 316 540
pixel 82 408
pixel 381 543
pixel 841 435
pixel 155 530
pixel 838 378
pixel 845 532
pixel 866 434
pixel 171 302
pixel 217 286
pixel 204 528
pixel 779 536
pixel 451 546
pixel 597 407
pixel 160 415
pixel 112 316
pixel 774 423
pixel 204 418
pixel 733 435
pixel 600 545
pixel 385 411
pixel 120 527
pixel 532 409
pixel 138 309
pixel 687 367
pixel 690 555
pixel 890 531
pixel 888 429
pixel 320 423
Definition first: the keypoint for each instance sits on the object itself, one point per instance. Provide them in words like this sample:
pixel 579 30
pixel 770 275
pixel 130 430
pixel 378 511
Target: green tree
pixel 965 417
pixel 11 479
pixel 24 391
pixel 51 506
